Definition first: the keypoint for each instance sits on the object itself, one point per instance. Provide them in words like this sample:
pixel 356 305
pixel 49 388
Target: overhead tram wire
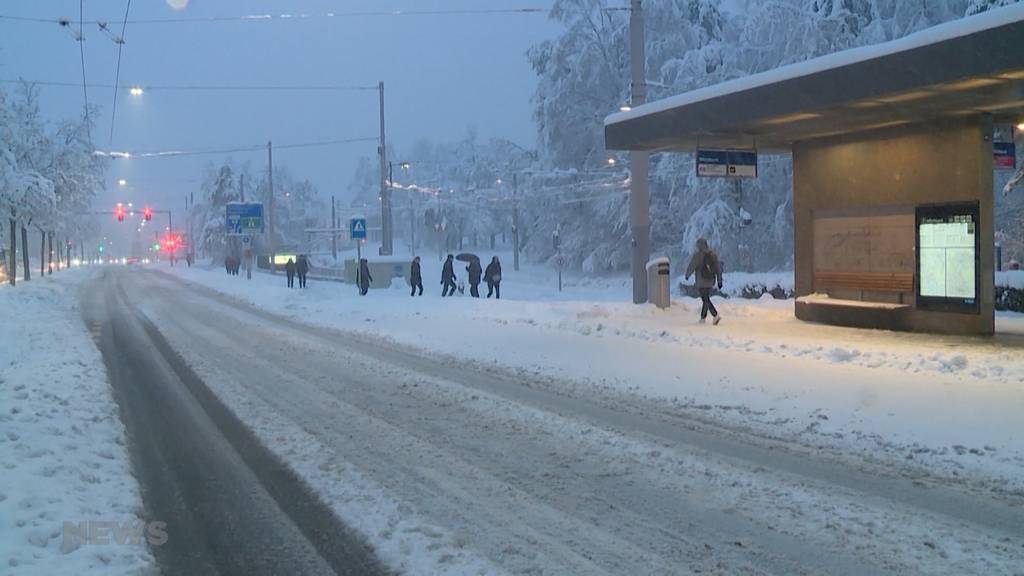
pixel 202 87
pixel 526 10
pixel 117 70
pixel 81 52
pixel 210 151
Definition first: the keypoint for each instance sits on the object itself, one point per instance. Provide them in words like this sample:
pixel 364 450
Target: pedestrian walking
pixel 708 270
pixel 289 270
pixel 363 277
pixel 448 277
pixel 474 271
pixel 493 278
pixel 416 276
pixel 302 268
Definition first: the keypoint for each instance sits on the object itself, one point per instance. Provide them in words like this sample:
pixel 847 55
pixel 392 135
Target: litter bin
pixel 658 290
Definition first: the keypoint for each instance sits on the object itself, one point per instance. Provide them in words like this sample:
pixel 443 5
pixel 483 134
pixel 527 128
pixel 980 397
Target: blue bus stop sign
pixel 357 228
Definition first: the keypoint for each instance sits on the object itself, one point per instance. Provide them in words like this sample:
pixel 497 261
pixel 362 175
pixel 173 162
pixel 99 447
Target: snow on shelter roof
pixel 972 65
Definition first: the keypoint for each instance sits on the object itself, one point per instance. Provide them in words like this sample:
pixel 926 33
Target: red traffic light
pixel 147 214
pixel 119 212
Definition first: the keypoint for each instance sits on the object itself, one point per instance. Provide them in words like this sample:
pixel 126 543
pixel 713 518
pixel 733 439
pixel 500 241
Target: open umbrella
pixel 467 257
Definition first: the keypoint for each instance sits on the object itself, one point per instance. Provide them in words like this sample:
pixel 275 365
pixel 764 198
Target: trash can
pixel 658 290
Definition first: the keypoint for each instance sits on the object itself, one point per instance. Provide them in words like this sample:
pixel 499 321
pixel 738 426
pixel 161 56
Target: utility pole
pixel 334 230
pixel 639 198
pixel 412 225
pixel 515 222
pixel 387 234
pixel 170 234
pixel 440 230
pixel 270 205
pixel 241 185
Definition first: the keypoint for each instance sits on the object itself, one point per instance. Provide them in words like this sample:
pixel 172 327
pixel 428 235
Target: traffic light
pixel 119 212
pixel 147 213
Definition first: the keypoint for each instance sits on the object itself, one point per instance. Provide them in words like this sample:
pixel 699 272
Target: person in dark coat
pixel 474 271
pixel 302 268
pixel 708 270
pixel 448 277
pixel 363 277
pixel 416 276
pixel 493 278
pixel 227 265
pixel 289 270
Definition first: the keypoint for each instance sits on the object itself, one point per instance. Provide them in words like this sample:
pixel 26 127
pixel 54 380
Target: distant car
pixel 131 261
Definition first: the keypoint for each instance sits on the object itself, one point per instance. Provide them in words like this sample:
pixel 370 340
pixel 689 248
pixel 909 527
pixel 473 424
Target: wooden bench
pixel 884 282
pixel 820 307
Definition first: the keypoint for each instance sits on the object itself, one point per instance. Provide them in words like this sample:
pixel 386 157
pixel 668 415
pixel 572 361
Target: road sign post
pixel 357 232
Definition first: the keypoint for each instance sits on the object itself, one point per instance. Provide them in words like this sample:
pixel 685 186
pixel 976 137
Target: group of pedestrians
pixel 704 265
pixel 231 265
pixel 449 286
pixel 299 268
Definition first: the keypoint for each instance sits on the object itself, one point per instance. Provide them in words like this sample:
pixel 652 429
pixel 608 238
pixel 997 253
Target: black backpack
pixel 707 267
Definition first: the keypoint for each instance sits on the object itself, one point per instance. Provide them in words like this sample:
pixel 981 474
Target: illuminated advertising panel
pixel 948 246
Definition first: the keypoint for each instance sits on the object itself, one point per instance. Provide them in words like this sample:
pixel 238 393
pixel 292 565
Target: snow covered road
pixel 447 467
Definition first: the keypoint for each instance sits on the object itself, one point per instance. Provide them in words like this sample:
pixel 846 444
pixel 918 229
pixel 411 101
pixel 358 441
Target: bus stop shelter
pixel 893 149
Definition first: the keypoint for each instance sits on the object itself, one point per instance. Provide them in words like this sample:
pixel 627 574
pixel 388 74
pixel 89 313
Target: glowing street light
pixel 136 91
pixel 611 161
pixel 122 182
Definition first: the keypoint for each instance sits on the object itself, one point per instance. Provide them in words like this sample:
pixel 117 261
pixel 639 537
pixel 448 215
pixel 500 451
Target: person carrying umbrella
pixel 474 271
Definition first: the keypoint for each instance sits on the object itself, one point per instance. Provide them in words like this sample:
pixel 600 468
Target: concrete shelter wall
pixel 895 169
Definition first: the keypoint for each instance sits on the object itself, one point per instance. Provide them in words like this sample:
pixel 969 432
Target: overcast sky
pixel 443 74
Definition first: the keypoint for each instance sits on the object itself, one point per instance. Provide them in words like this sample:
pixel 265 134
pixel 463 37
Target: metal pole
pixel 334 230
pixel 515 222
pixel 387 234
pixel 170 234
pixel 639 198
pixel 412 224
pixel 741 248
pixel 270 205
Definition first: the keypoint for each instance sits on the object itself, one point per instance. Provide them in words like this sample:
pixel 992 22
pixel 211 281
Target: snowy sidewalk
pixel 62 444
pixel 951 404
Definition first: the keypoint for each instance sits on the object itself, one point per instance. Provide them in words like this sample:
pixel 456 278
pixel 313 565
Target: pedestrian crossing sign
pixel 357 227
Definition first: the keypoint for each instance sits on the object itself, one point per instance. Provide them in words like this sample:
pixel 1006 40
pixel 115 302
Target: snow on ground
pixel 950 403
pixel 1011 278
pixel 62 444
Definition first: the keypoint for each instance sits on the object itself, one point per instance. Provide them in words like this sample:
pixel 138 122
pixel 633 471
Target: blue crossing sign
pixel 357 228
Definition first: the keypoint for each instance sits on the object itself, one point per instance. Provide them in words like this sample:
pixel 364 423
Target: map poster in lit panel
pixel 948 247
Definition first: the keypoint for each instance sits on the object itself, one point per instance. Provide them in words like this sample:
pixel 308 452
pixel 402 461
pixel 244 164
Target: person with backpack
pixel 302 268
pixel 708 272
pixel 363 277
pixel 448 277
pixel 416 276
pixel 289 270
pixel 493 278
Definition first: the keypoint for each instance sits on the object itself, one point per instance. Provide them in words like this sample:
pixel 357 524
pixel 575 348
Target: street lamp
pixel 122 182
pixel 136 91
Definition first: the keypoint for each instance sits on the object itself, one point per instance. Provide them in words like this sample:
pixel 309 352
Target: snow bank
pixel 1010 279
pixel 62 444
